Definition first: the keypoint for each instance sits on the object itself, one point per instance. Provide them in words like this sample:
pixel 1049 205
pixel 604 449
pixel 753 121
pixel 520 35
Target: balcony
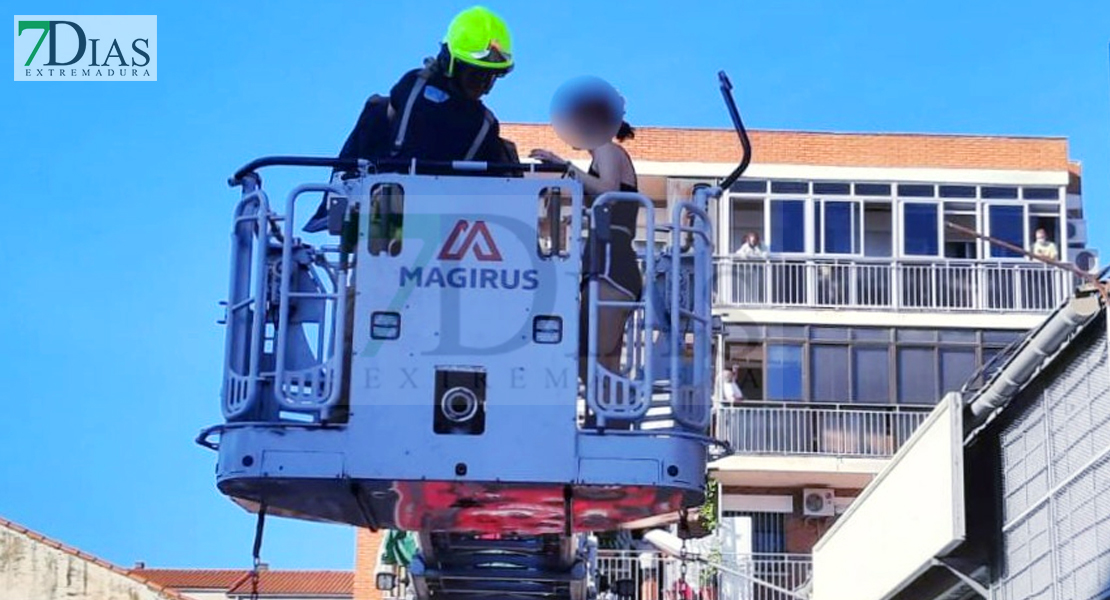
pixel 804 430
pixel 799 444
pixel 657 577
pixel 891 285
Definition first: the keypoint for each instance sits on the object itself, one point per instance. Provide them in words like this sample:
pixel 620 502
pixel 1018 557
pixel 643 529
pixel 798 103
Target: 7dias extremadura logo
pixel 86 48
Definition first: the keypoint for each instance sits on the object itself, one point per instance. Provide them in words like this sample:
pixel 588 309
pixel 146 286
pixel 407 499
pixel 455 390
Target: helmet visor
pixel 493 54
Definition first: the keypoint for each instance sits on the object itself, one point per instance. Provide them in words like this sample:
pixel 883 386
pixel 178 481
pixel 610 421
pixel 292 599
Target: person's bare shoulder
pixel 611 153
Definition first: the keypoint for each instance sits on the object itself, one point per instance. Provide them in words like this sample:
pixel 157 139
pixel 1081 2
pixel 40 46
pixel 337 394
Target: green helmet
pixel 480 38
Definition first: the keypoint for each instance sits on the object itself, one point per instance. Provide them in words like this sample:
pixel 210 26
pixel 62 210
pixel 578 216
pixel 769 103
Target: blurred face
pixel 588 125
pixel 592 116
pixel 1041 236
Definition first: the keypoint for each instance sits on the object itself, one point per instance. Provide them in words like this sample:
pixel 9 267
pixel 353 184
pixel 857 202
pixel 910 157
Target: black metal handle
pixel 352 164
pixel 554 207
pixel 345 164
pixel 738 124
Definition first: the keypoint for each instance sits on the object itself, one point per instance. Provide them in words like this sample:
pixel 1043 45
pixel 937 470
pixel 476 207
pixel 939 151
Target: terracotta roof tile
pixel 42 539
pixel 194 579
pixel 237 581
pixel 305 583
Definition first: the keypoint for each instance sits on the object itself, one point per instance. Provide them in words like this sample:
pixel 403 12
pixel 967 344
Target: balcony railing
pixel 806 430
pixel 657 577
pixel 947 285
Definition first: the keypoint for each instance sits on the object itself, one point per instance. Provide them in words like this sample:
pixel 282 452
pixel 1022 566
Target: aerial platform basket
pixel 416 368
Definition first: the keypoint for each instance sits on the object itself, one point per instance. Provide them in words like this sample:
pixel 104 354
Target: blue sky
pixel 116 213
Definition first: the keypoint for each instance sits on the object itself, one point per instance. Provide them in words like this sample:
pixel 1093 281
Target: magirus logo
pixel 486 251
pixel 86 48
pixel 470 238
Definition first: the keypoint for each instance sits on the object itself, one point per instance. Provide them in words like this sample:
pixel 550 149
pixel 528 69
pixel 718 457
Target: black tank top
pixel 622 215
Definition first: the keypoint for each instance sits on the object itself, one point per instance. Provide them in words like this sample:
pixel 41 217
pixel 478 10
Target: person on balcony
pixel 1040 286
pixel 728 392
pixel 750 276
pixel 1044 247
pixel 752 248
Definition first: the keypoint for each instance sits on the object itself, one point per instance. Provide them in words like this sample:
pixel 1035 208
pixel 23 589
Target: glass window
pixel 917 376
pixel 958 335
pixel 957 191
pixel 789 187
pixel 768 530
pixel 749 186
pixel 793 332
pixel 832 189
pixel 916 191
pixel 958 244
pixel 387 219
pixel 916 335
pixel 747 217
pixel 787 231
pixel 818 242
pixel 920 229
pixel 1001 337
pixel 999 193
pixel 871 375
pixel 828 373
pixel 828 333
pixel 784 372
pixel 747 360
pixel 838 231
pixel 872 189
pixel 989 354
pixel 878 229
pixel 1036 193
pixel 742 332
pixel 871 333
pixel 1007 223
pixel 957 365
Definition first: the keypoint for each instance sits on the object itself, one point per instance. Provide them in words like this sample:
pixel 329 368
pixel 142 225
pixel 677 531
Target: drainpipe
pixel 1043 343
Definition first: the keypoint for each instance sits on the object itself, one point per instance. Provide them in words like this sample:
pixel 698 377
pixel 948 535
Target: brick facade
pixel 367 545
pixel 822 149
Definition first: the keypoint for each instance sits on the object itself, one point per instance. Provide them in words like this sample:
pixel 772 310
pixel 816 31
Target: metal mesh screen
pixel 1056 480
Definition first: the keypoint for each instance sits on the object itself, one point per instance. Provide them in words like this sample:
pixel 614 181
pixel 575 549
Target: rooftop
pixel 893 150
pixel 238 581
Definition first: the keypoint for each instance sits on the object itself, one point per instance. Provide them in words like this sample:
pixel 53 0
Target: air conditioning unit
pixel 1074 202
pixel 1077 232
pixel 818 502
pixel 1084 258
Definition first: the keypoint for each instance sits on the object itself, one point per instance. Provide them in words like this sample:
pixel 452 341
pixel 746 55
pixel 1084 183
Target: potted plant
pixel 707 518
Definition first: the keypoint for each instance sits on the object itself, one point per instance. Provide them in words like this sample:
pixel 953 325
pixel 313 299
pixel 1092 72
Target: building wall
pixel 800 532
pixel 822 149
pixel 367 546
pixel 33 569
pixel 1055 462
